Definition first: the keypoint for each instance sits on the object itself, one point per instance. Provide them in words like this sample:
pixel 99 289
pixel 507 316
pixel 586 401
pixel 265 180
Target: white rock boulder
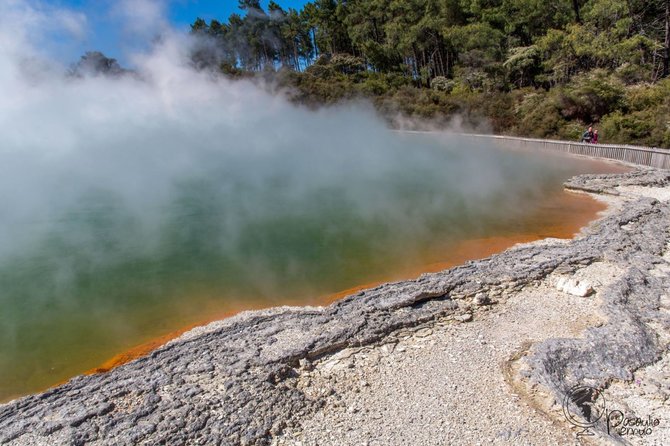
pixel 574 287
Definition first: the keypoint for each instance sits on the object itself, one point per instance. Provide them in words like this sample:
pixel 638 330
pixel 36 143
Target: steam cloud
pixel 138 136
pixel 101 176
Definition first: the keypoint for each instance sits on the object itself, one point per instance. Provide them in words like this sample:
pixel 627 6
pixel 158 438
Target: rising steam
pixel 120 195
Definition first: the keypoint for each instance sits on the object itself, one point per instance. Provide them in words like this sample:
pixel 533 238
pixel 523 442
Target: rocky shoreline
pixel 260 377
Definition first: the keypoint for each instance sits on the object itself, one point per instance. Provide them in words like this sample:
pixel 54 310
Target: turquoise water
pixel 102 252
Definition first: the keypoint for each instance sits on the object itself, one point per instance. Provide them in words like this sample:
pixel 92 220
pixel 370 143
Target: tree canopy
pixel 500 42
pixel 584 58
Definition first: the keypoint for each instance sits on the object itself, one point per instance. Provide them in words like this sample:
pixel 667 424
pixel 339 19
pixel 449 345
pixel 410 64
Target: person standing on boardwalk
pixel 587 136
pixel 594 140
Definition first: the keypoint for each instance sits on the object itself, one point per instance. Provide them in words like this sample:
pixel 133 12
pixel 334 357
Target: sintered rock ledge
pixel 234 381
pixel 637 320
pixel 608 184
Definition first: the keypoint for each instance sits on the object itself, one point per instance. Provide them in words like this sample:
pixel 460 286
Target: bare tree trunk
pixel 265 54
pixel 441 62
pixel 575 6
pixel 424 64
pixel 446 58
pixel 441 53
pixel 316 47
pixel 296 59
pixel 666 60
pixel 417 68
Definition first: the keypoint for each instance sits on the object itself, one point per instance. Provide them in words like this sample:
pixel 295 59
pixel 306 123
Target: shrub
pixel 537 115
pixel 591 97
pixel 441 83
pixel 374 86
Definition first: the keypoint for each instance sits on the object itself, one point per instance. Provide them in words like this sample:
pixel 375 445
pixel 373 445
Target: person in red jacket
pixel 594 140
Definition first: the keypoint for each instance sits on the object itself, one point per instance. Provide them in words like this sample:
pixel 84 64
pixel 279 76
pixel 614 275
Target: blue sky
pixel 183 12
pixel 105 31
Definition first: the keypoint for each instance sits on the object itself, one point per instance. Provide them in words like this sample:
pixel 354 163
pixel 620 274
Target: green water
pixel 104 262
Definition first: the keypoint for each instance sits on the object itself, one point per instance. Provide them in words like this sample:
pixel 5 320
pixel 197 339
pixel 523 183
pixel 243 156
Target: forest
pixel 523 67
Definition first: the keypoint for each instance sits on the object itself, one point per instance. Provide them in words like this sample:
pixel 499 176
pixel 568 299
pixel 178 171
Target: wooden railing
pixel 644 156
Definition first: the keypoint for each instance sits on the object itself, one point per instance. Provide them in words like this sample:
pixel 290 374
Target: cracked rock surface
pixel 242 380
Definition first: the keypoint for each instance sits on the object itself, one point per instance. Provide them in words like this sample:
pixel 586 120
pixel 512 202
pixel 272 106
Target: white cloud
pixel 31 29
pixel 142 18
pixel 74 23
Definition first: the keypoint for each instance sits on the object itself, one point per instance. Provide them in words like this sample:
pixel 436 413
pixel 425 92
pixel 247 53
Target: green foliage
pixel 347 64
pixel 591 96
pixel 441 83
pixel 529 67
pixel 94 63
pixel 479 45
pixel 635 127
pixel 523 64
pixel 647 120
pixel 537 114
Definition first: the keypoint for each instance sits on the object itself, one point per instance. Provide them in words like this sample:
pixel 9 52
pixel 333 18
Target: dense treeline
pixel 531 67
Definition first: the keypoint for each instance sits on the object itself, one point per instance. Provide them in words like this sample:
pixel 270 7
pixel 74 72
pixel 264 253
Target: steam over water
pixel 132 206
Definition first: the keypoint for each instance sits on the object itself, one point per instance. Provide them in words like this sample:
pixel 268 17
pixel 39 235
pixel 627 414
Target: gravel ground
pixel 444 383
pixel 451 382
pixel 648 394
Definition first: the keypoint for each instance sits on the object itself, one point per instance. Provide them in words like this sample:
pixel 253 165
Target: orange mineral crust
pixel 551 221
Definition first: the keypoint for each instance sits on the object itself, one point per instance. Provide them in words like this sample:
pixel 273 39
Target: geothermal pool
pixel 134 206
pixel 102 252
